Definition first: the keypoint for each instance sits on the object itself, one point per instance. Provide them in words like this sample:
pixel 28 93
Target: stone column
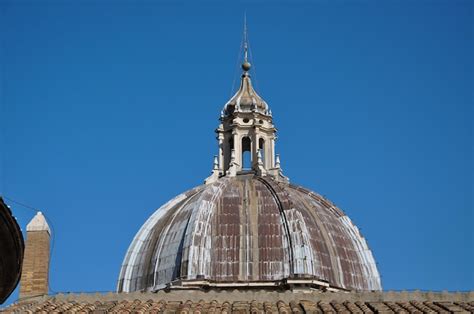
pixel 221 152
pixel 35 274
pixel 238 150
pixel 227 151
pixel 254 149
pixel 270 152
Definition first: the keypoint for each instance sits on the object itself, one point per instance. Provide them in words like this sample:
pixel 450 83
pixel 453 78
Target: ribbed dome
pixel 248 230
pixel 246 99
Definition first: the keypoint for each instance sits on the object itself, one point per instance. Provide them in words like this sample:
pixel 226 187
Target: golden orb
pixel 246 66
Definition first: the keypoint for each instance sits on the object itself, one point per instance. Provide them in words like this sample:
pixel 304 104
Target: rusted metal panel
pixel 245 231
pixel 225 235
pixel 273 246
pixel 249 229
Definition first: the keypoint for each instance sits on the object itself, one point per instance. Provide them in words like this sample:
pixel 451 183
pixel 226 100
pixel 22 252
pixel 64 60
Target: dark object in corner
pixel 11 252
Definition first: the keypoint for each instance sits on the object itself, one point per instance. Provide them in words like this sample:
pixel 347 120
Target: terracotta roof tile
pixel 252 303
pixel 422 307
pixel 466 306
pixel 410 308
pixel 363 307
pixel 435 307
pixel 325 307
pixel 379 307
pixel 451 307
pixel 237 307
pixel 395 307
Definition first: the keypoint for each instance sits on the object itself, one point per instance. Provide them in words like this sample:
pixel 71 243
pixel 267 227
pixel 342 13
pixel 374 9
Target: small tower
pixel 246 128
pixel 35 274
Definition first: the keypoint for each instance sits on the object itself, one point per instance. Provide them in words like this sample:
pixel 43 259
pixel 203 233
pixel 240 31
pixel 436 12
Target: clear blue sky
pixel 108 109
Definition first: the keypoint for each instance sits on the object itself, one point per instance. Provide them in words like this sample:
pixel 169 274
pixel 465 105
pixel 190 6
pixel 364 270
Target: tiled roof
pixel 216 303
pixel 303 306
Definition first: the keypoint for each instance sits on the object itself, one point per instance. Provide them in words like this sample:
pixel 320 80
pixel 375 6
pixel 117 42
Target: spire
pixel 245 38
pixel 246 64
pixel 246 98
pixel 246 134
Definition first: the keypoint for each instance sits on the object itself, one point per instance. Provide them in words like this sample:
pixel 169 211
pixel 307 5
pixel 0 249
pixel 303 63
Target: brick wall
pixel 34 277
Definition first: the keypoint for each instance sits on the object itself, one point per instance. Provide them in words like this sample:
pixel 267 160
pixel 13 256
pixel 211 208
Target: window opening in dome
pixel 246 153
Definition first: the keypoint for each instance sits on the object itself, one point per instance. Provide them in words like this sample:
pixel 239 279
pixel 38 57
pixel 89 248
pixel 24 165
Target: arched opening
pixel 261 147
pixel 246 153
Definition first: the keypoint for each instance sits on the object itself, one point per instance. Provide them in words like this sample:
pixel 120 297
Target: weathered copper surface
pixel 248 229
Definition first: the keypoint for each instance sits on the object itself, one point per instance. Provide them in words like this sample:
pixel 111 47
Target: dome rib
pixel 281 206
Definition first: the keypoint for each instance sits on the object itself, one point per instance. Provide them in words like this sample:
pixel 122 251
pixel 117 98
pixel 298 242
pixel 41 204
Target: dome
pixel 246 98
pixel 252 231
pixel 247 226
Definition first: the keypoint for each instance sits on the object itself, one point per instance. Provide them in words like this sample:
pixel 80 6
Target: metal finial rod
pixel 245 38
pixel 246 65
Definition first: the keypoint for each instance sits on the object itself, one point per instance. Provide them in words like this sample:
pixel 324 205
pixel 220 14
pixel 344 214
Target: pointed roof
pixel 38 223
pixel 246 99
